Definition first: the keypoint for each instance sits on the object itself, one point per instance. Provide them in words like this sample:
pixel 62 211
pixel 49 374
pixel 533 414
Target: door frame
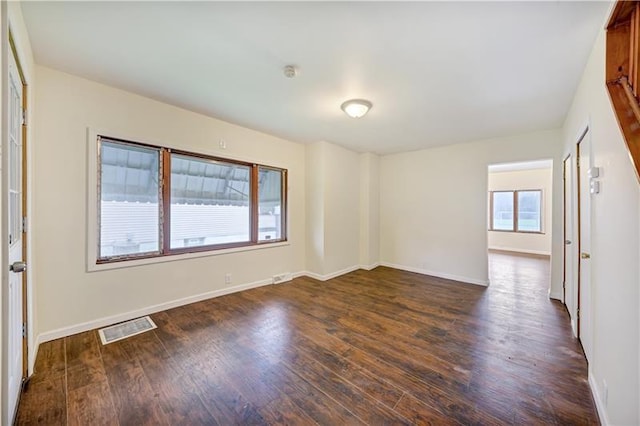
pixel 25 316
pixel 579 196
pixel 8 47
pixel 565 237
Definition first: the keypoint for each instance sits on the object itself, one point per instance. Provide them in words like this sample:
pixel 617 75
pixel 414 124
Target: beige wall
pixel 333 208
pixel 315 180
pixel 615 248
pixel 68 295
pixel 523 180
pixel 342 209
pixel 369 210
pixel 433 205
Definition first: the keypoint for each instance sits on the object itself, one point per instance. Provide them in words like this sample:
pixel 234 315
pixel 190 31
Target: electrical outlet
pixel 605 392
pixel 227 278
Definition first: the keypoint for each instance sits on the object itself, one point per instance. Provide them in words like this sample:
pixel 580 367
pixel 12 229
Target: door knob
pixel 18 266
pixel 567 242
pixel 585 256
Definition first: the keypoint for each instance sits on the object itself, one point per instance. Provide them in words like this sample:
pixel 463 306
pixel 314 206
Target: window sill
pixel 92 266
pixel 516 232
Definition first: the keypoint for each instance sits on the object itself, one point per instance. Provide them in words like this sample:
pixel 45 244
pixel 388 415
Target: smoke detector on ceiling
pixel 290 71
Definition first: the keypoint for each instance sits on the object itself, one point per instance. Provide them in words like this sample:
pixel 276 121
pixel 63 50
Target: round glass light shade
pixel 356 108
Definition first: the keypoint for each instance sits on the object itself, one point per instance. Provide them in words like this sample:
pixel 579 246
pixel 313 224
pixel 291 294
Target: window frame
pixel 164 203
pixel 516 211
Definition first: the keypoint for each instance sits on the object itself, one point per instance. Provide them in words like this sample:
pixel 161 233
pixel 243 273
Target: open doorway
pixel 520 218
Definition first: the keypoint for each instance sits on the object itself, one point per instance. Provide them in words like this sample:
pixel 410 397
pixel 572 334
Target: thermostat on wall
pixel 593 172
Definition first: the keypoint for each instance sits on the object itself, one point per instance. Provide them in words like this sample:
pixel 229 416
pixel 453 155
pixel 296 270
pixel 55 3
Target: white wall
pixel 68 295
pixel 342 209
pixel 333 206
pixel 369 210
pixel 523 180
pixel 615 247
pixel 315 180
pixel 433 205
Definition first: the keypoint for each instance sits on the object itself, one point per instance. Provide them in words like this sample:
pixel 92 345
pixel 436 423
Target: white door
pixel 569 287
pixel 15 295
pixel 585 327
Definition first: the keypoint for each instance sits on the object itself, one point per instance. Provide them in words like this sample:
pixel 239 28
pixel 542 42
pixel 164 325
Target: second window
pixel 516 211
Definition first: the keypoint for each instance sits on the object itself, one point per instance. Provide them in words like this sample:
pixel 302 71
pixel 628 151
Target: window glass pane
pixel 503 211
pixel 529 211
pixel 270 204
pixel 209 202
pixel 129 197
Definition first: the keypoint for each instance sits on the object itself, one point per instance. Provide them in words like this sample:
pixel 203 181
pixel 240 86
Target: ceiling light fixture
pixel 356 108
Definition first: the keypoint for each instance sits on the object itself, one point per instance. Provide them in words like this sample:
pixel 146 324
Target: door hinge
pixel 24 330
pixel 24 224
pixel 24 117
pixel 578 313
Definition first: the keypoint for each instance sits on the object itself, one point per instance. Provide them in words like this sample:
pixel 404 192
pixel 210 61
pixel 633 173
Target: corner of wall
pixel 369 208
pixel 314 207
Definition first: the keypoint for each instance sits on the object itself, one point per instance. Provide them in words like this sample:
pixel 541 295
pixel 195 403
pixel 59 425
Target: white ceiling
pixel 437 73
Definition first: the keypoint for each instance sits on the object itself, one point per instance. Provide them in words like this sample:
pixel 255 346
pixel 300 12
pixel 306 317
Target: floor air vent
pixel 125 329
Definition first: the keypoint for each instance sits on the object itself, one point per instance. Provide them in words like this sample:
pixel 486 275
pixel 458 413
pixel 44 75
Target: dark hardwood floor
pixel 378 347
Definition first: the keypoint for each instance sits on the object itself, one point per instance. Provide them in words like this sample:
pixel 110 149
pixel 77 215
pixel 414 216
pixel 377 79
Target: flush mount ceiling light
pixel 356 108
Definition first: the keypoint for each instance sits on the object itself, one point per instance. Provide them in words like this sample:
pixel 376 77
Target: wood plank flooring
pixel 378 347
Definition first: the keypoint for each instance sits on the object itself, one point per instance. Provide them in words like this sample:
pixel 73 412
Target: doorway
pixel 520 207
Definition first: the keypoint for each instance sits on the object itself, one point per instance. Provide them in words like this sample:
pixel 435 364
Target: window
pixel 503 206
pixel 155 201
pixel 516 211
pixel 209 202
pixel 529 203
pixel 270 208
pixel 129 200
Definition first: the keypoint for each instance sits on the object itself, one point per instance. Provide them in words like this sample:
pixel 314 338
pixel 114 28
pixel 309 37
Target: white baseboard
pixel 33 346
pixel 602 412
pixel 105 321
pixel 554 295
pixel 370 267
pixel 519 250
pixel 331 275
pixel 436 274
